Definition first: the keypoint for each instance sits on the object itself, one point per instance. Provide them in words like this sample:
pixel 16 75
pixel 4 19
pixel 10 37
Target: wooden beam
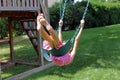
pixel 0 72
pixel 23 18
pixel 27 73
pixel 4 42
pixel 11 40
pixel 18 14
pixel 6 65
pixel 26 63
pixel 40 48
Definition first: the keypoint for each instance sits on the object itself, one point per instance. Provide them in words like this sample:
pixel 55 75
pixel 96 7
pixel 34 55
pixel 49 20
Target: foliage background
pixel 98 14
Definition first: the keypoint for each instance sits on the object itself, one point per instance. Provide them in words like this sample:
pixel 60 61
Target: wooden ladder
pixel 31 31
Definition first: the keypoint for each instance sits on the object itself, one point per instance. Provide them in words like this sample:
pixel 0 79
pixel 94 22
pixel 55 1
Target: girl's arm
pixel 60 30
pixel 73 52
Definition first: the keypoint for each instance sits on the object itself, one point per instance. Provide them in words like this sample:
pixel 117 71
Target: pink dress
pixel 59 61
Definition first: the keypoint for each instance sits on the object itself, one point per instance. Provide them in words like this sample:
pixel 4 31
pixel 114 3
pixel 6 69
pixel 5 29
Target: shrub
pixel 54 15
pixel 3 28
pixel 17 29
pixel 98 14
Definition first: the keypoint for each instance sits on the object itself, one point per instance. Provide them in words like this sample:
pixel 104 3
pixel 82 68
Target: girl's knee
pixel 51 30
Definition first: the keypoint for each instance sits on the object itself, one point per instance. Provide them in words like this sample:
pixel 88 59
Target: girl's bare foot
pixel 44 22
pixel 41 21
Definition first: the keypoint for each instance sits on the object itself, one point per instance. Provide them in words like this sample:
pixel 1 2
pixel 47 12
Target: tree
pixel 3 28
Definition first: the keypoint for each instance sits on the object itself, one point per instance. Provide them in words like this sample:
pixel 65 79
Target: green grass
pixel 23 51
pixel 22 46
pixel 97 58
pixel 8 72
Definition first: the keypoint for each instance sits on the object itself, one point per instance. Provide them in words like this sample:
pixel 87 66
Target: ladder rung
pixel 31 29
pixel 25 20
pixel 33 37
pixel 35 45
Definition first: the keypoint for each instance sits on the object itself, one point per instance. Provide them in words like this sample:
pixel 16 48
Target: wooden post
pixel 11 40
pixel 39 49
pixel 40 40
pixel 0 72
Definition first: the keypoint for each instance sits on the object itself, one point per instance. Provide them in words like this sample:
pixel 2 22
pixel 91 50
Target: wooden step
pixel 33 37
pixel 19 15
pixel 31 29
pixel 4 42
pixel 27 19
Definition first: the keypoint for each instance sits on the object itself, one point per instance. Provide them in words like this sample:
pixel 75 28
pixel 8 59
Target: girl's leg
pixel 51 31
pixel 56 40
pixel 44 34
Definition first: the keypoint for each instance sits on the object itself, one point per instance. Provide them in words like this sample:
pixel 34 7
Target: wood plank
pixel 31 29
pixel 4 3
pixel 18 14
pixel 23 3
pixel 9 3
pixel 11 40
pixel 19 3
pixel 36 3
pixel 31 3
pixel 27 3
pixel 3 61
pixel 14 3
pixel 40 48
pixel 0 72
pixel 27 73
pixel 4 42
pixel 7 65
pixel 31 37
pixel 26 63
pixel 19 8
pixel 0 2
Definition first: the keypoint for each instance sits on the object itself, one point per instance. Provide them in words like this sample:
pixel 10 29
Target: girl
pixel 52 40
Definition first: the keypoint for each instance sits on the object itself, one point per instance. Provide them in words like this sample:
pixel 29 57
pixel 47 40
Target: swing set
pixel 64 49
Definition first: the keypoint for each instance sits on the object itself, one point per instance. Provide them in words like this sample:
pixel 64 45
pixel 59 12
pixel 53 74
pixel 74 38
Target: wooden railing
pixel 19 5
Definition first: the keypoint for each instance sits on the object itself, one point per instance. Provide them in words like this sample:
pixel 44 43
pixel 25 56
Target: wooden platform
pixel 19 15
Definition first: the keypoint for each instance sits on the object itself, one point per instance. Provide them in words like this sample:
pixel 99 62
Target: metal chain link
pixel 84 14
pixel 62 12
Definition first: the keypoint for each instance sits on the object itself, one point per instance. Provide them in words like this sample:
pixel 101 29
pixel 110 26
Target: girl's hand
pixel 82 21
pixel 61 23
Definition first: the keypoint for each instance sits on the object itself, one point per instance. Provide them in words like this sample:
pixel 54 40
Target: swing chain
pixel 84 14
pixel 62 12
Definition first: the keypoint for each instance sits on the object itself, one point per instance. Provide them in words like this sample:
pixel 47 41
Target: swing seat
pixel 61 51
pixel 57 52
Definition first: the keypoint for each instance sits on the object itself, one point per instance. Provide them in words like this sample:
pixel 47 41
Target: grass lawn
pixel 98 57
pixel 23 51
